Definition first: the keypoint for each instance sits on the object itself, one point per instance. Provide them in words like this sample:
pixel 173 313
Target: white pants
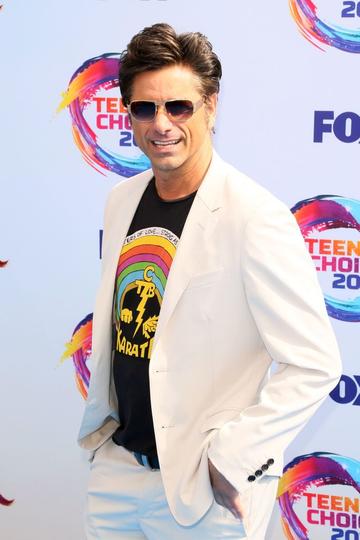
pixel 126 501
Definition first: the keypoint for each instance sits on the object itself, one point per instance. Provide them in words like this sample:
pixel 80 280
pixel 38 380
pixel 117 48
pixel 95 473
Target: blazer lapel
pixel 195 253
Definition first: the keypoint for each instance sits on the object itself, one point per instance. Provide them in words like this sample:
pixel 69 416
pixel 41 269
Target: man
pixel 206 281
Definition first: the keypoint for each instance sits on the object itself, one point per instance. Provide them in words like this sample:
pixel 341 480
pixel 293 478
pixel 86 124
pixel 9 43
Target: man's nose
pixel 161 122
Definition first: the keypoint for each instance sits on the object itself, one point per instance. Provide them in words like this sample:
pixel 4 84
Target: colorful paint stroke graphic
pixel 318 32
pixel 95 75
pixel 326 212
pixel 5 502
pixel 309 471
pixel 79 348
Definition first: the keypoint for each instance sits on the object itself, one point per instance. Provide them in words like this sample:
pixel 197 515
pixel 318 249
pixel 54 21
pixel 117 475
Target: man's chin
pixel 165 163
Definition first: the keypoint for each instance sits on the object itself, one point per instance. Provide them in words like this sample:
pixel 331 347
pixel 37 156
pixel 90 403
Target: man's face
pixel 192 139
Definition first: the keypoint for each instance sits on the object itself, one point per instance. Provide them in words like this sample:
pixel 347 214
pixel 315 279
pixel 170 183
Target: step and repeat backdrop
pixel 288 116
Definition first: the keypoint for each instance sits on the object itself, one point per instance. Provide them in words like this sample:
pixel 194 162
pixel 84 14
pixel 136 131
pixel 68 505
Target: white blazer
pixel 242 292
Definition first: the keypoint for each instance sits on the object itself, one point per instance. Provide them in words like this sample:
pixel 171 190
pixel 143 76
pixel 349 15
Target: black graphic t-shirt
pixel 141 276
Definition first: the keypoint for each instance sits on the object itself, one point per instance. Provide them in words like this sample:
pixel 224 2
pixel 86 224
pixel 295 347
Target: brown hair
pixel 158 46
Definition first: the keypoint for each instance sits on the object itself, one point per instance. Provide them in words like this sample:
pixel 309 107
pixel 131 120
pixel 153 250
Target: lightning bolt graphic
pixel 141 307
pixel 147 292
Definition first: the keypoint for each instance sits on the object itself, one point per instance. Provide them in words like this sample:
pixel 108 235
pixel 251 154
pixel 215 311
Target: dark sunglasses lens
pixel 179 109
pixel 143 110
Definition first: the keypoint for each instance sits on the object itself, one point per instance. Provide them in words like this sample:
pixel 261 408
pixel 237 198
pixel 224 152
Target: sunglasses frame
pixel 195 105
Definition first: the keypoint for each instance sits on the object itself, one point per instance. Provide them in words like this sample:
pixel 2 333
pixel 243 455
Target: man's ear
pixel 211 102
pixel 211 107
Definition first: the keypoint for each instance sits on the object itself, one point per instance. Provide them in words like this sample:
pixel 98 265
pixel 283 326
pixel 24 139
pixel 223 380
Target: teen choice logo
pixel 334 24
pixel 100 124
pixel 319 497
pixel 330 225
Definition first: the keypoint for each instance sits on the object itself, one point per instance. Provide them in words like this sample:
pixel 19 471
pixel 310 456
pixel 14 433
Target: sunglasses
pixel 177 110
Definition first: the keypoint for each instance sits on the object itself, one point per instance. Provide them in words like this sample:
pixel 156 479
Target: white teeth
pixel 165 143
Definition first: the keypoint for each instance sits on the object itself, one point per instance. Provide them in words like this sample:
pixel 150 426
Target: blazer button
pixel 258 473
pixel 270 462
pixel 264 467
pixel 251 478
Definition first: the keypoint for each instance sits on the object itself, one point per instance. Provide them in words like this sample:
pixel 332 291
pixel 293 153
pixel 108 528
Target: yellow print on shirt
pixel 141 277
pixel 146 290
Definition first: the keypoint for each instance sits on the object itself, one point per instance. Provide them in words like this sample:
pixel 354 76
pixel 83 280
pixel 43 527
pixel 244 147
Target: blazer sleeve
pixel 287 305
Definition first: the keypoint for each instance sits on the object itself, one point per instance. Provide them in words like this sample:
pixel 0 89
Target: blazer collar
pixel 211 188
pixel 209 193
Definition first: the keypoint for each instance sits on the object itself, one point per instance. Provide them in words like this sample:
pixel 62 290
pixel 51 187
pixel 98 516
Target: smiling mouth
pixel 165 143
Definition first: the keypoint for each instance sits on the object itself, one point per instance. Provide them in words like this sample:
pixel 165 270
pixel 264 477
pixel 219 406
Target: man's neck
pixel 181 182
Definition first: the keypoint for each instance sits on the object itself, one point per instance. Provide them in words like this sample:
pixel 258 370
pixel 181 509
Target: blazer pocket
pixel 218 419
pixel 208 278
